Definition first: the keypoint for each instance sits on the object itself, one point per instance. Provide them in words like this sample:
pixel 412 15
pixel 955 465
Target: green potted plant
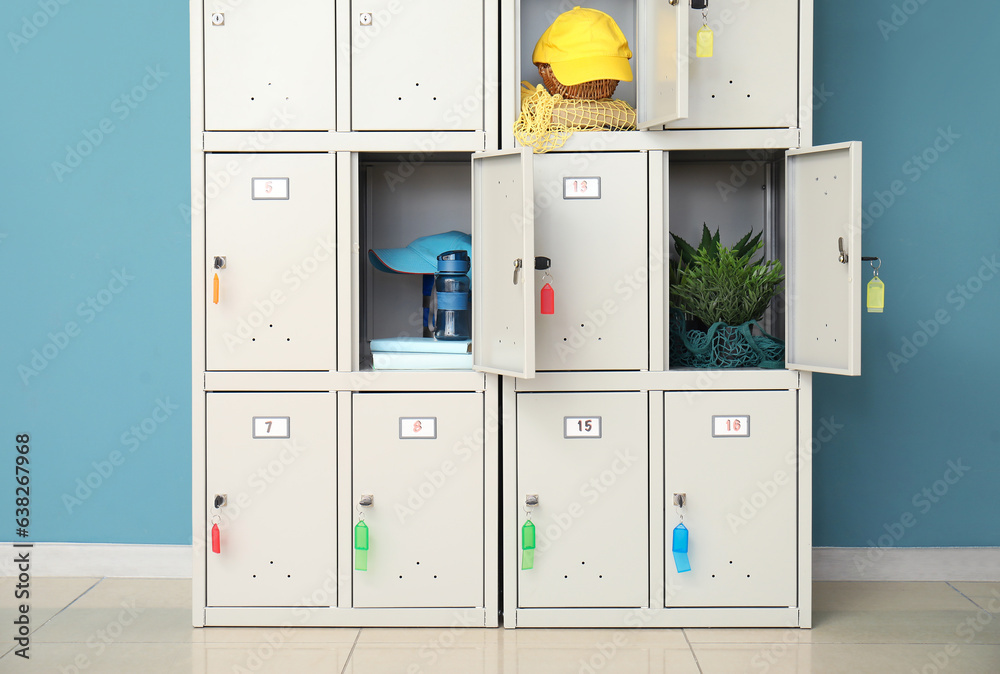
pixel 727 291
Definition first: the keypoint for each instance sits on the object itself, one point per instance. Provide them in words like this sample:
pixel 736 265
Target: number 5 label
pixel 581 427
pixel 270 188
pixel 731 427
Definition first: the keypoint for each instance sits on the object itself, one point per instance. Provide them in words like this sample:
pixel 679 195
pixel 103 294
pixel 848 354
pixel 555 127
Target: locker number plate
pixel 582 188
pixel 418 428
pixel 270 188
pixel 581 427
pixel 272 427
pixel 731 427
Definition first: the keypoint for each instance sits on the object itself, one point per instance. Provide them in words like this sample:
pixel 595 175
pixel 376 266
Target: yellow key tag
pixel 705 41
pixel 876 296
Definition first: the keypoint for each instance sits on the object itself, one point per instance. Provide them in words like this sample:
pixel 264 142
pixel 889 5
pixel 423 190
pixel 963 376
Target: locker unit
pixel 750 82
pixel 425 520
pixel 286 81
pixel 270 239
pixel 739 518
pixel 582 459
pixel 270 460
pixel 397 54
pixel 323 130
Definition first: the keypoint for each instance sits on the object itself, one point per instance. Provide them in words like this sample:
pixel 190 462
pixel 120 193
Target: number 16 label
pixel 731 427
pixel 581 427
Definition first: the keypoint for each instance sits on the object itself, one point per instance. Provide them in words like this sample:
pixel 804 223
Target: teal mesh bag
pixel 723 346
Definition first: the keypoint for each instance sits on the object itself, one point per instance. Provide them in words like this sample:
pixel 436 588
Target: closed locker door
pixel 585 457
pixel 420 457
pixel 270 65
pixel 271 241
pixel 752 79
pixel 273 456
pixel 733 455
pixel 591 215
pixel 417 65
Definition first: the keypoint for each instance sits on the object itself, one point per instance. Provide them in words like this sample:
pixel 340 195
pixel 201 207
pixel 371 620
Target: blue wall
pixel 110 81
pixel 916 79
pixel 70 223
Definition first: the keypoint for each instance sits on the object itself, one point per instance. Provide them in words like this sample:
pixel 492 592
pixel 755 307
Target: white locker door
pixel 586 457
pixel 591 221
pixel 270 65
pixel 733 455
pixel 662 66
pixel 420 456
pixel 752 79
pixel 274 457
pixel 273 218
pixel 824 278
pixel 417 65
pixel 503 261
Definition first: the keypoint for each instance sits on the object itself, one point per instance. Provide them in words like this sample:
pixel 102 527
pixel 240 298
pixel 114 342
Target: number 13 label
pixel 731 427
pixel 581 427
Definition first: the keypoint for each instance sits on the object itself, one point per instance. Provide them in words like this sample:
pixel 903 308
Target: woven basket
pixel 594 90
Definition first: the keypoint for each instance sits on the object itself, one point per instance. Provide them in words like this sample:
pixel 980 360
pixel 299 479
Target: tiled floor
pixel 143 626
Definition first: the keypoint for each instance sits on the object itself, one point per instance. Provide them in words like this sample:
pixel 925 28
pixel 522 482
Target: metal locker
pixel 417 65
pixel 271 242
pixel 419 457
pixel 272 457
pixel 752 78
pixel 270 65
pixel 591 217
pixel 585 458
pixel 732 454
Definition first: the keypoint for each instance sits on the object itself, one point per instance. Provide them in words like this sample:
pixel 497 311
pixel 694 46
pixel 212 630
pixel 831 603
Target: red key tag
pixel 216 539
pixel 548 299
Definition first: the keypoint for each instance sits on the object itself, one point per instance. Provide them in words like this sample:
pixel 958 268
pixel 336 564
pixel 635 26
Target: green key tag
pixel 361 546
pixel 705 40
pixel 876 296
pixel 528 545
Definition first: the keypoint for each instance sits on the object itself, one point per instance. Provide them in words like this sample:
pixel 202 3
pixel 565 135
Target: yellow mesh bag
pixel 546 121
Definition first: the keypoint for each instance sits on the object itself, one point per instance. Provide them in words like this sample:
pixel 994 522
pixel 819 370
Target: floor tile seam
pixel 974 602
pixel 60 611
pixel 350 655
pixel 691 650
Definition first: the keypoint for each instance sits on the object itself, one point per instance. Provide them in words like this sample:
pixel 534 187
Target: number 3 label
pixel 581 427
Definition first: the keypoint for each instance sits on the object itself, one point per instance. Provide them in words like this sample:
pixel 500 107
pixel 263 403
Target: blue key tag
pixel 680 548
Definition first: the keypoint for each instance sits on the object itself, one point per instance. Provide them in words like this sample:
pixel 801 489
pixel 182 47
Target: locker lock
pixel 366 500
pixel 531 500
pixel 220 501
pixel 219 262
pixel 366 18
pixel 218 19
pixel 843 253
pixel 680 500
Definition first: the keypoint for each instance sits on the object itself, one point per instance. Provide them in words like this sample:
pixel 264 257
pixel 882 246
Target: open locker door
pixel 663 64
pixel 823 274
pixel 503 263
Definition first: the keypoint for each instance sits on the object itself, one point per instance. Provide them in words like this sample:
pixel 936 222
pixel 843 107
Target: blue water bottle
pixel 452 286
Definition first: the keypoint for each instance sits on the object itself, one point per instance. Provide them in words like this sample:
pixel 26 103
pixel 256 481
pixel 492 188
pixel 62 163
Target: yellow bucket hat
pixel 583 45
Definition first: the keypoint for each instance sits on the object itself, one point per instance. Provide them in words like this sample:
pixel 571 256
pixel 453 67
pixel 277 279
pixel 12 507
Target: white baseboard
pixel 174 561
pixel 960 564
pixel 97 560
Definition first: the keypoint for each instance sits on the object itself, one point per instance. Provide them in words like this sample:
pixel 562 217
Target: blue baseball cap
pixel 420 257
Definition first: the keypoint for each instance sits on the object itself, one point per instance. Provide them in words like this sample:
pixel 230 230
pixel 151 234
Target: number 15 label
pixel 581 427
